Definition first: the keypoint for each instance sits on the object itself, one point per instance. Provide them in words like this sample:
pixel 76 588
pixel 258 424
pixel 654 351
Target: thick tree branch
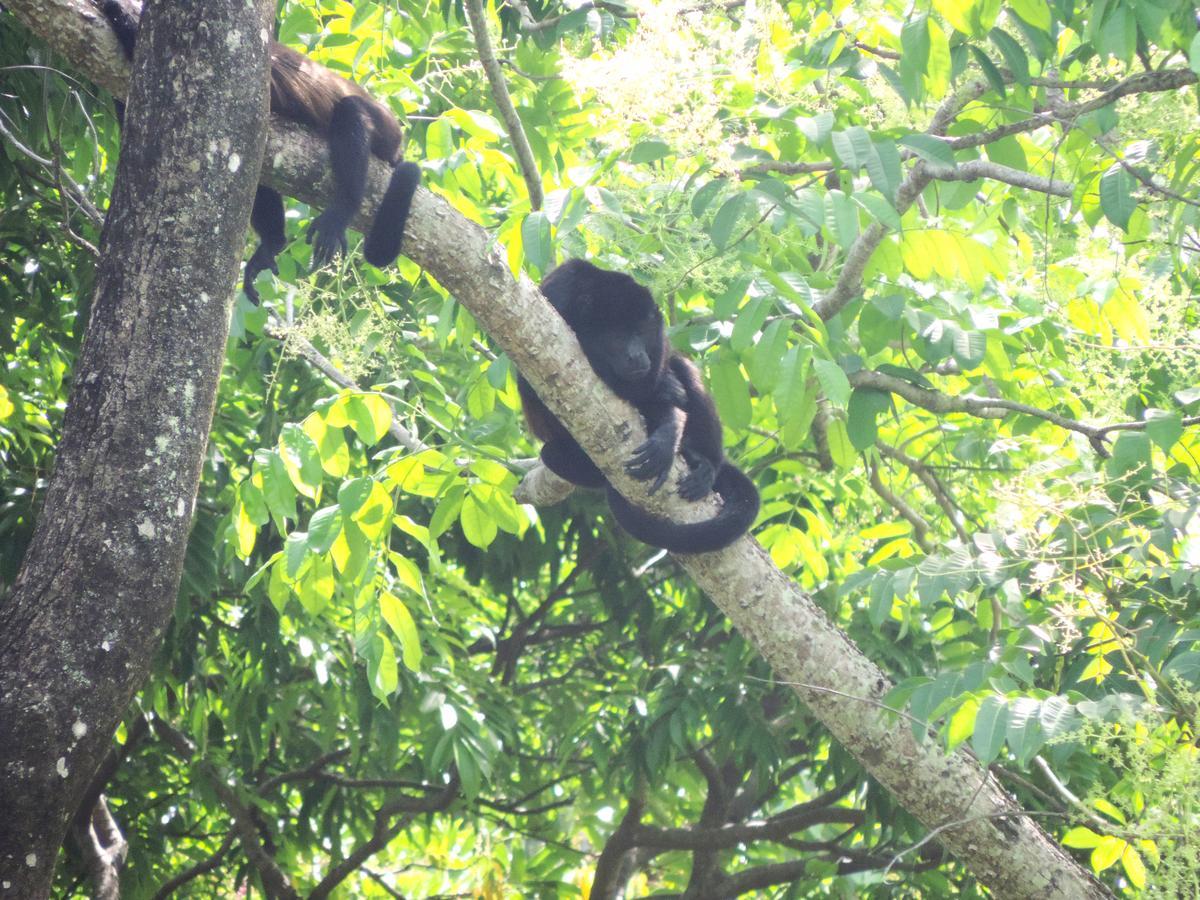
pixel 1142 83
pixel 981 168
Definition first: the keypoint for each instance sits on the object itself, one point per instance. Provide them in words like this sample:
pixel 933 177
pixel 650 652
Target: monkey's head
pixel 623 337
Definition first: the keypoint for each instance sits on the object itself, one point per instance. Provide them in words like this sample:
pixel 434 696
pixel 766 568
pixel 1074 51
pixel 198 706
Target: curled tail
pixel 382 244
pixel 739 508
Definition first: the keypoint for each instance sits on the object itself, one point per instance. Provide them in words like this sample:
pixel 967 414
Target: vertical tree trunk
pixel 98 585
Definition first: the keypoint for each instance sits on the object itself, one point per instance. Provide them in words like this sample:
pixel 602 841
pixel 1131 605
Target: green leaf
pixel 295 549
pixel 749 320
pixel 300 459
pixel 477 525
pixel 538 241
pixel 323 529
pixel 400 620
pixel 962 723
pixel 439 140
pixel 841 218
pixel 795 403
pixel 1130 452
pixel 1024 733
pixel 1165 428
pixel 354 493
pixel 841 451
pixel 862 414
pixel 883 166
pixel 382 671
pixel 705 196
pixel 914 55
pixel 993 75
pixel 1194 54
pixel 833 380
pixel 727 217
pixel 931 149
pixel 731 393
pixel 315 587
pixel 1081 838
pixel 1116 196
pixel 991 725
pixel 278 590
pixel 853 146
pixel 1118 33
pixel 765 362
pixel 370 416
pixel 648 152
pixel 1035 12
pixel 880 209
pixel 1014 54
pixel 970 348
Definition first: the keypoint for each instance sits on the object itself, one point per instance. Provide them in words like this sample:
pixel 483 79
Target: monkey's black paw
pixel 327 234
pixel 260 260
pixel 671 390
pixel 651 460
pixel 698 482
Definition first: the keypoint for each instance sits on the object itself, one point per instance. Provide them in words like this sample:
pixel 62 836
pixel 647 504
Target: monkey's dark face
pixel 628 359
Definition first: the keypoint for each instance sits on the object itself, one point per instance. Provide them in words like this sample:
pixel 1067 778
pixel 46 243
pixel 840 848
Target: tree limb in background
pixel 275 881
pixel 503 101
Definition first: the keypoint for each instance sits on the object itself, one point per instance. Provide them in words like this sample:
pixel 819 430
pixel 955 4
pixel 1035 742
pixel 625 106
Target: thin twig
pixel 503 101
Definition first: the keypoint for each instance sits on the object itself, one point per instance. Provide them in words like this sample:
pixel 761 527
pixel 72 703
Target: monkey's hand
pixel 327 234
pixel 699 481
pixel 260 259
pixel 653 459
pixel 670 390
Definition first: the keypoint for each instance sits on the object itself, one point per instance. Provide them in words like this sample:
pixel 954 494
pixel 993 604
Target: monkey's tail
pixel 123 23
pixel 739 498
pixel 382 244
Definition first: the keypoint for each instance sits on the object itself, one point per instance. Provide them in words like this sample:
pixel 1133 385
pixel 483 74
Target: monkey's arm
pixel 665 423
pixel 701 444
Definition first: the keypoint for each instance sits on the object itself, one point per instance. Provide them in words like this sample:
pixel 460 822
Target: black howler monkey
pixel 620 328
pixel 356 127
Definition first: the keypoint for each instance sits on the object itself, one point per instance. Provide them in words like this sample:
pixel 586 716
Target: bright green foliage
pixel 366 610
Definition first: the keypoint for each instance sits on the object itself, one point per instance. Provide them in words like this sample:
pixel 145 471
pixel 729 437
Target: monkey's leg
pixel 566 459
pixel 382 244
pixel 349 152
pixel 266 218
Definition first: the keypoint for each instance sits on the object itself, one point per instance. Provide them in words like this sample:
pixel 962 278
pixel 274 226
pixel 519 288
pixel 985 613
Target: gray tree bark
pixel 98 584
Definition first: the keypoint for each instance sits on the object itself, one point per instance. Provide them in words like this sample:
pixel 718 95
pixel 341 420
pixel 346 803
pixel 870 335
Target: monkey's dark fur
pixel 621 331
pixel 355 125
